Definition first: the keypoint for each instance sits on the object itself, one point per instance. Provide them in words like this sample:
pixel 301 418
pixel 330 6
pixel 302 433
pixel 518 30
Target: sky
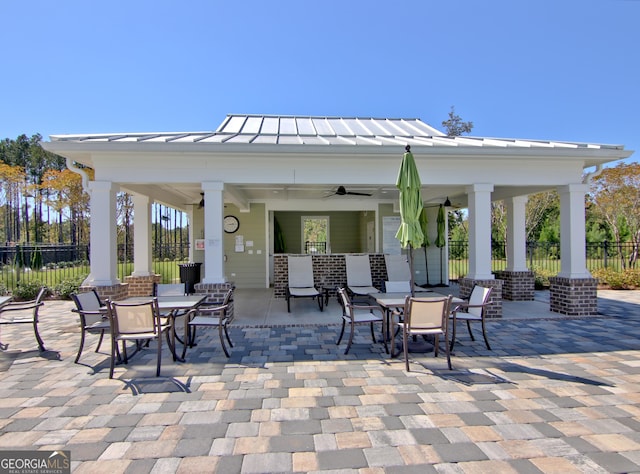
pixel 543 69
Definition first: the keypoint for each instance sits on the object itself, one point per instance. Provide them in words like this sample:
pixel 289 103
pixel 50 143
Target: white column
pixel 213 232
pixel 573 259
pixel 479 231
pixel 142 262
pixel 103 235
pixel 516 233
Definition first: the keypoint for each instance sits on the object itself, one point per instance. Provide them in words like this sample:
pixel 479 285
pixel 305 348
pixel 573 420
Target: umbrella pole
pixel 412 281
pixel 441 279
pixel 426 265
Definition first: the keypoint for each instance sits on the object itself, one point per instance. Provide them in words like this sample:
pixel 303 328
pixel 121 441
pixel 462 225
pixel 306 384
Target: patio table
pixel 397 301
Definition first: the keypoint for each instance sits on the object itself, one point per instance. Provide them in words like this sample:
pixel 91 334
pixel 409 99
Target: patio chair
pixel 354 314
pixel 171 289
pixel 301 284
pixel 359 276
pixel 398 270
pixel 209 316
pixel 424 317
pixel 93 317
pixel 136 322
pixel 26 312
pixel 403 286
pixel 472 310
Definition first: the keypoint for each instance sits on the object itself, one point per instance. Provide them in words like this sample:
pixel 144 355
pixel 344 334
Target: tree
pixel 543 209
pixel 616 199
pixel 455 126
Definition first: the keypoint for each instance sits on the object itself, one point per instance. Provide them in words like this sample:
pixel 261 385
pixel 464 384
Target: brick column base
pixel 112 292
pixel 494 310
pixel 215 292
pixel 517 286
pixel 142 285
pixel 574 296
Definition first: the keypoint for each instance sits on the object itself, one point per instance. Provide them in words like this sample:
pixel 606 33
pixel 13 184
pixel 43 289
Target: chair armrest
pixel 210 309
pixel 90 312
pixel 20 305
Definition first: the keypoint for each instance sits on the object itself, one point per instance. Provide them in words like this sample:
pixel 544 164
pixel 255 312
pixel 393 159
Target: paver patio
pixel 555 395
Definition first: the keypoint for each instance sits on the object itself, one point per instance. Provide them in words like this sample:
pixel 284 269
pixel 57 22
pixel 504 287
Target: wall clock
pixel 231 224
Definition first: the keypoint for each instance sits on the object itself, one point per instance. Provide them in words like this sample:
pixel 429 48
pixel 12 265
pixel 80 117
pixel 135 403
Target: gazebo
pixel 253 168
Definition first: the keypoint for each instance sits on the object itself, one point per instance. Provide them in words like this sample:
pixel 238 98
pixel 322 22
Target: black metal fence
pixel 544 257
pixel 315 247
pixel 53 264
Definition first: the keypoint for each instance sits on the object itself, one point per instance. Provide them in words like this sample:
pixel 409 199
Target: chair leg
pixel 187 341
pixel 469 329
pixel 373 334
pixel 224 347
pixel 288 304
pixel 99 340
pixel 341 333
pixel 226 333
pixel 453 333
pixel 114 345
pixel 436 344
pixel 484 334
pixel 353 328
pixel 405 347
pixel 392 342
pixel 82 331
pixel 159 354
pixel 448 349
pixel 38 338
pixel 319 297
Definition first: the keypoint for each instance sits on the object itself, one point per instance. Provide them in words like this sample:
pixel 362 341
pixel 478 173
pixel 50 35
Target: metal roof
pixel 310 130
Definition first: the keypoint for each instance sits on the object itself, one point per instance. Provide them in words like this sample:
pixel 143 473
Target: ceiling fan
pixel 341 191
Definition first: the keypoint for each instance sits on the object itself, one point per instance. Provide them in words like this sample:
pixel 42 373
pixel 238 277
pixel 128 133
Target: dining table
pixel 397 301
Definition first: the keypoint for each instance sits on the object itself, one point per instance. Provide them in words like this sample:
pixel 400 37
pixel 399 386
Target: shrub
pixel 625 280
pixel 3 290
pixel 68 286
pixel 27 290
pixel 541 278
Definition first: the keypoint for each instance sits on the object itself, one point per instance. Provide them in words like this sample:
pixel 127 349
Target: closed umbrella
pixel 410 232
pixel 440 238
pixel 424 221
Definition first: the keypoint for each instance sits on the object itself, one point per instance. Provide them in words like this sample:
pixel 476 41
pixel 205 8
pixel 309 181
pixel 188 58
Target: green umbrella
pixel 424 221
pixel 440 238
pixel 408 183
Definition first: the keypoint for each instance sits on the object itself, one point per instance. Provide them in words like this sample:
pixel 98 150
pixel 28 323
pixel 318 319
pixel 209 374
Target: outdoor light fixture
pixel 201 203
pixel 447 203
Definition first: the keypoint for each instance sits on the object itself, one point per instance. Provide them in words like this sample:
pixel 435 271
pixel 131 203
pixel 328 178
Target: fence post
pixel 606 253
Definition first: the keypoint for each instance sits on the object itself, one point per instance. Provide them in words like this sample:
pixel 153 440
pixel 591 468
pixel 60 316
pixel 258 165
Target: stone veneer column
pixel 494 310
pixel 573 296
pixel 112 292
pixel 573 291
pixel 517 286
pixel 142 285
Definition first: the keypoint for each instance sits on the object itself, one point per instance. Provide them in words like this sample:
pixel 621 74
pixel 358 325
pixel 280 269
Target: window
pixel 315 234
